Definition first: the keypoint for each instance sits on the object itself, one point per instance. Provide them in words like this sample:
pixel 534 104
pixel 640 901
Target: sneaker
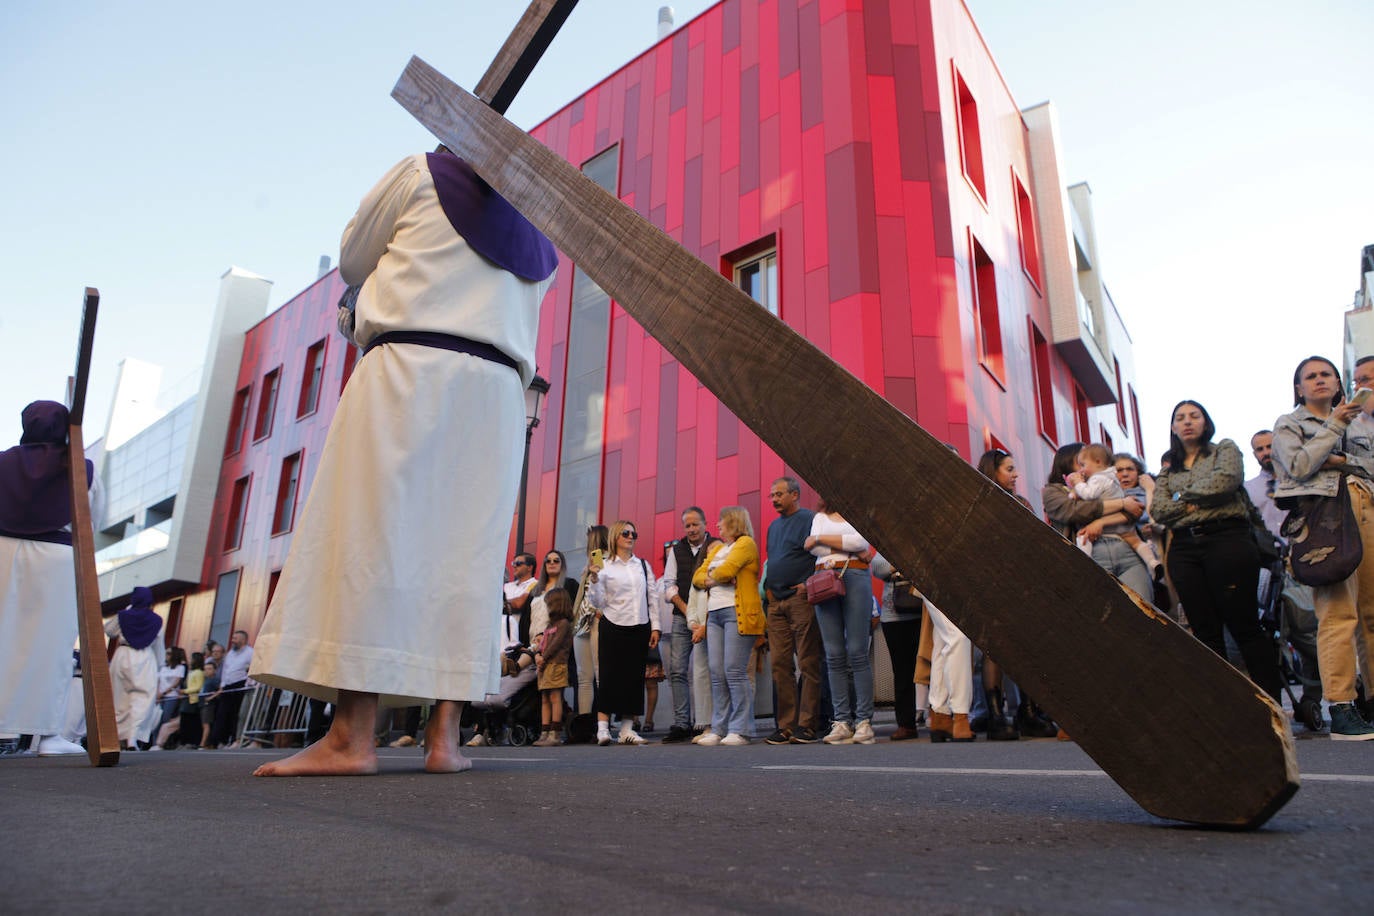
pixel 781 736
pixel 477 740
pixel 707 739
pixel 863 733
pixel 403 741
pixel 630 737
pixel 57 746
pixel 803 735
pixel 603 739
pixel 734 740
pixel 677 735
pixel 840 733
pixel 1347 724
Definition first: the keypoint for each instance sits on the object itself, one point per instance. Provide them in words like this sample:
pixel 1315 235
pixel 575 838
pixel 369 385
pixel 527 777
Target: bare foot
pixel 443 757
pixel 326 757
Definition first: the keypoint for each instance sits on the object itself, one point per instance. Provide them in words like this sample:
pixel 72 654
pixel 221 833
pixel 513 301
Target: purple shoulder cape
pixel 33 475
pixel 139 623
pixel 493 228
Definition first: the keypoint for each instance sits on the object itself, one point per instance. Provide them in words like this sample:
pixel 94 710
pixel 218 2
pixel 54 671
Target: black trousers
pixel 620 684
pixel 902 638
pixel 227 714
pixel 1216 575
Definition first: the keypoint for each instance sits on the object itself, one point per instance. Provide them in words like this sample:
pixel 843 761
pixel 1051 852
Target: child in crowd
pixel 555 644
pixel 208 689
pixel 1096 479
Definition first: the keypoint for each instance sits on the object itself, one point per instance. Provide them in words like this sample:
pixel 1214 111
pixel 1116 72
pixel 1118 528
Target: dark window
pixel 1120 395
pixel 1135 424
pixel 173 627
pixel 1080 414
pixel 970 140
pixel 226 596
pixel 350 360
pixel 285 512
pixel 267 404
pixel 758 276
pixel 1044 383
pixel 238 505
pixel 310 381
pixel 1025 227
pixel 272 581
pixel 984 282
pixel 238 420
pixel 1106 438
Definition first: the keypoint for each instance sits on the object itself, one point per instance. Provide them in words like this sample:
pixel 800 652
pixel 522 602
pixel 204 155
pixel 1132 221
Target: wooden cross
pixel 1181 731
pixel 102 739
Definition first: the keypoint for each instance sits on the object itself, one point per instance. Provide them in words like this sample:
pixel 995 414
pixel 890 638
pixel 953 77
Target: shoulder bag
pixel 1324 538
pixel 826 584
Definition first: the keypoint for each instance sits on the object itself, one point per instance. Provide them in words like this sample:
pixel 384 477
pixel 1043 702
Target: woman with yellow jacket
pixel 734 620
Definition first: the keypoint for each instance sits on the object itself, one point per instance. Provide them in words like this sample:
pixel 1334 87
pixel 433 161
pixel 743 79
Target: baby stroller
pixel 517 722
pixel 1307 710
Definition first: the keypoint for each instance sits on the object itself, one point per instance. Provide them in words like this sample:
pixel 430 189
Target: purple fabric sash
pixel 493 228
pixel 33 474
pixel 139 623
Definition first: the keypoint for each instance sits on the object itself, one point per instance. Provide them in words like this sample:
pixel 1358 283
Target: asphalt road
pixel 1032 826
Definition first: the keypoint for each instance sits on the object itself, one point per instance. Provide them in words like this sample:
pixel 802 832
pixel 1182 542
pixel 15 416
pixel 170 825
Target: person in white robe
pixel 392 589
pixel 38 614
pixel 133 669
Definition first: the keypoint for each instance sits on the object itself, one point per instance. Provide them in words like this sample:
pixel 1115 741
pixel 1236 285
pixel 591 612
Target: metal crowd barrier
pixel 270 711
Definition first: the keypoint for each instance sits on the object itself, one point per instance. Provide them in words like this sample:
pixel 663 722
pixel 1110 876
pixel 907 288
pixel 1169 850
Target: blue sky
pixel 149 146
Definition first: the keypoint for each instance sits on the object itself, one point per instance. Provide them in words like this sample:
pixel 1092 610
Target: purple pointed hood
pixel 139 623
pixel 33 474
pixel 493 228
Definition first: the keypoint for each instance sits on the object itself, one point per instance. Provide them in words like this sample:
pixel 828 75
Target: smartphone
pixel 596 559
pixel 1361 395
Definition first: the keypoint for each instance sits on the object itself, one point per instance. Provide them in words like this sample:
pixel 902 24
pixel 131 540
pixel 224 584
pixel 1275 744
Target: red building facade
pixel 860 167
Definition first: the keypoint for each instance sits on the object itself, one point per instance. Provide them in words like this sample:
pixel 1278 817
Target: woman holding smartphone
pixel 626 596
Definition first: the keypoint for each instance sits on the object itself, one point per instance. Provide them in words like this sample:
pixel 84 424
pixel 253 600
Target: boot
pixel 960 727
pixel 1032 722
pixel 548 739
pixel 941 726
pixel 998 727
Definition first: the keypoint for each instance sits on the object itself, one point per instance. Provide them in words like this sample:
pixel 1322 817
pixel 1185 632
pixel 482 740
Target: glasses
pixel 632 535
pixel 552 560
pixel 518 563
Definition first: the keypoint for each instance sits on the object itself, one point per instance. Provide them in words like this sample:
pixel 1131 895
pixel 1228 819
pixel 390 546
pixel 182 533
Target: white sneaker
pixel 707 739
pixel 603 738
pixel 477 740
pixel 631 737
pixel 57 746
pixel 863 733
pixel 840 733
pixel 734 740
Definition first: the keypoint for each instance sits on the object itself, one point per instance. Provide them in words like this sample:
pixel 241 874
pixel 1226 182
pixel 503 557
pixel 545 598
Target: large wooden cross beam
pixel 102 739
pixel 1180 730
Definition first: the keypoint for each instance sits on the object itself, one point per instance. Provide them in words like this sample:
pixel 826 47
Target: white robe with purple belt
pixel 393 582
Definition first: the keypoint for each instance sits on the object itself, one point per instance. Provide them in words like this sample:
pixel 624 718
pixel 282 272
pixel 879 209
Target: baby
pixel 1096 479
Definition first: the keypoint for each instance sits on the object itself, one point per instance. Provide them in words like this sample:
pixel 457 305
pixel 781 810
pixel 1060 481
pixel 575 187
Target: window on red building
pixel 759 278
pixel 238 420
pixel 1120 395
pixel 970 139
pixel 267 404
pixel 1044 383
pixel 238 506
pixel 1135 424
pixel 310 381
pixel 1025 227
pixel 285 513
pixel 173 628
pixel 1080 414
pixel 350 360
pixel 984 282
pixel 1106 439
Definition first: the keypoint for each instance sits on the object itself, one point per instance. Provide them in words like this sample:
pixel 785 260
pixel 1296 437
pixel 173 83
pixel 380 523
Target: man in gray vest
pixel 687 553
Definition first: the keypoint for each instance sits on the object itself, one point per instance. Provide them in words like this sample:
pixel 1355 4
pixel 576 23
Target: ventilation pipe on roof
pixel 665 22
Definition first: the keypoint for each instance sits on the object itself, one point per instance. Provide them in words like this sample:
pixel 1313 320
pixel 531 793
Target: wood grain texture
pixel 1187 736
pixel 527 43
pixel 102 738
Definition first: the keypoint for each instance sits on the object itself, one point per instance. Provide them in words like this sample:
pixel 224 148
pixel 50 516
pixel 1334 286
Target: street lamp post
pixel 534 398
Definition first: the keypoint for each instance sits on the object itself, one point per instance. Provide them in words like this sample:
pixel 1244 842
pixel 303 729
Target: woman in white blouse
pixel 627 599
pixel 846 623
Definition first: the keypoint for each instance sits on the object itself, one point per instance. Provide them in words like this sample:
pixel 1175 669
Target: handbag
pixel 826 584
pixel 1324 538
pixel 905 598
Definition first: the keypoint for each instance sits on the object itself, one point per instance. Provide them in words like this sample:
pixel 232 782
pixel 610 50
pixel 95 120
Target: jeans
pixel 728 655
pixel 1118 558
pixel 845 625
pixel 680 671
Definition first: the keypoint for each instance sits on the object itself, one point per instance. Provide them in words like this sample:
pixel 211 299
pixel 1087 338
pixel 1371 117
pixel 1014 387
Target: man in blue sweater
pixel 791 619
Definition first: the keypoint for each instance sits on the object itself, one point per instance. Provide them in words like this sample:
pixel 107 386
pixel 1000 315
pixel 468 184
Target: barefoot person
pixel 392 590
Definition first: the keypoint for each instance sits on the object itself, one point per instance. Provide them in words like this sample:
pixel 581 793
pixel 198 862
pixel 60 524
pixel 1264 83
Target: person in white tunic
pixel 38 616
pixel 392 589
pixel 133 669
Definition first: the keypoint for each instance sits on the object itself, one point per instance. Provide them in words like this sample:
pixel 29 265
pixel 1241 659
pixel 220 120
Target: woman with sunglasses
pixel 552 574
pixel 626 596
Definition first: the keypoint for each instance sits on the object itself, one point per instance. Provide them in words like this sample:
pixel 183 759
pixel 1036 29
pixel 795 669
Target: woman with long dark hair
pixel 999 466
pixel 626 596
pixel 552 574
pixel 1312 452
pixel 1212 556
